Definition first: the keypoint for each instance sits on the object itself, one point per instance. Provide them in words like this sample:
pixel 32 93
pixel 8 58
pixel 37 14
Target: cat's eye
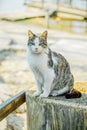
pixel 40 44
pixel 43 45
pixel 32 43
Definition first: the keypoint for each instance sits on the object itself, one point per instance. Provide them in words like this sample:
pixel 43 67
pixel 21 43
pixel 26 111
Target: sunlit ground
pixel 81 86
pixel 58 24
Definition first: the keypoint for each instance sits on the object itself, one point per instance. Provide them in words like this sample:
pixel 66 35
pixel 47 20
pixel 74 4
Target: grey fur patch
pixel 50 61
pixel 43 42
pixel 56 69
pixel 31 40
pixel 63 75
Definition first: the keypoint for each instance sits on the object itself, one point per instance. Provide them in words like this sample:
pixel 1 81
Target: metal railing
pixel 11 104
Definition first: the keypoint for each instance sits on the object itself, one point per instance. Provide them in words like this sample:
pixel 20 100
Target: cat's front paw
pixel 54 93
pixel 43 95
pixel 36 94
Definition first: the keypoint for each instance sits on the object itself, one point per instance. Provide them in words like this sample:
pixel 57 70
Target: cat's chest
pixel 39 62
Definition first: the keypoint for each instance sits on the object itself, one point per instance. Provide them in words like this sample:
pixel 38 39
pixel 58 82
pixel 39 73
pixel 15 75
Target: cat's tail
pixel 73 94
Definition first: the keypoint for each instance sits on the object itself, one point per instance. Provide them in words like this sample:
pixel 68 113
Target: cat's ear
pixel 44 34
pixel 30 34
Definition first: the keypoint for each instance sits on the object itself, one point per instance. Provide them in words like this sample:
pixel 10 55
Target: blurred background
pixel 66 22
pixel 66 14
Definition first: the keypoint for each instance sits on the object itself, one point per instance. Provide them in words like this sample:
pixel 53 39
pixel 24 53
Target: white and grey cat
pixel 51 69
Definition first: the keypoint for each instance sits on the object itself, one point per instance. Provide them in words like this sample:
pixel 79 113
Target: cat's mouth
pixel 36 51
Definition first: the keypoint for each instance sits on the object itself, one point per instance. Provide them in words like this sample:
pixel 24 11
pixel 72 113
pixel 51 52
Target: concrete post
pixel 56 113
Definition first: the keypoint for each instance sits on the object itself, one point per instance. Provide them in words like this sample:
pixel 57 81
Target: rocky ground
pixel 15 74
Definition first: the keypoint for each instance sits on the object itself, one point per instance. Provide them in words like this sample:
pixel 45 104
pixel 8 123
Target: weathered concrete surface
pixel 56 113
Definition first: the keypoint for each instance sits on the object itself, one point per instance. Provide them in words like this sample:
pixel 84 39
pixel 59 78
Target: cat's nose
pixel 36 49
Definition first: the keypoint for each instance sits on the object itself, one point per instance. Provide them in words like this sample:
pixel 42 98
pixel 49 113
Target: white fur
pixel 55 60
pixel 60 92
pixel 43 74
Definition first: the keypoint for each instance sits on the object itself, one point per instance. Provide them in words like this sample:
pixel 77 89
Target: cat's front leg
pixel 37 93
pixel 39 90
pixel 47 90
pixel 44 95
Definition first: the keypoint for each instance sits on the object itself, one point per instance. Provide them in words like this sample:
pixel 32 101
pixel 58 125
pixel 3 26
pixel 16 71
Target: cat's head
pixel 37 44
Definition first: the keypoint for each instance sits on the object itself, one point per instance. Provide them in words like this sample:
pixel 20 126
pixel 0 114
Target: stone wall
pixel 56 113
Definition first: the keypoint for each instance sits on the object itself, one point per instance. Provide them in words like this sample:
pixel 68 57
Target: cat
pixel 51 69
